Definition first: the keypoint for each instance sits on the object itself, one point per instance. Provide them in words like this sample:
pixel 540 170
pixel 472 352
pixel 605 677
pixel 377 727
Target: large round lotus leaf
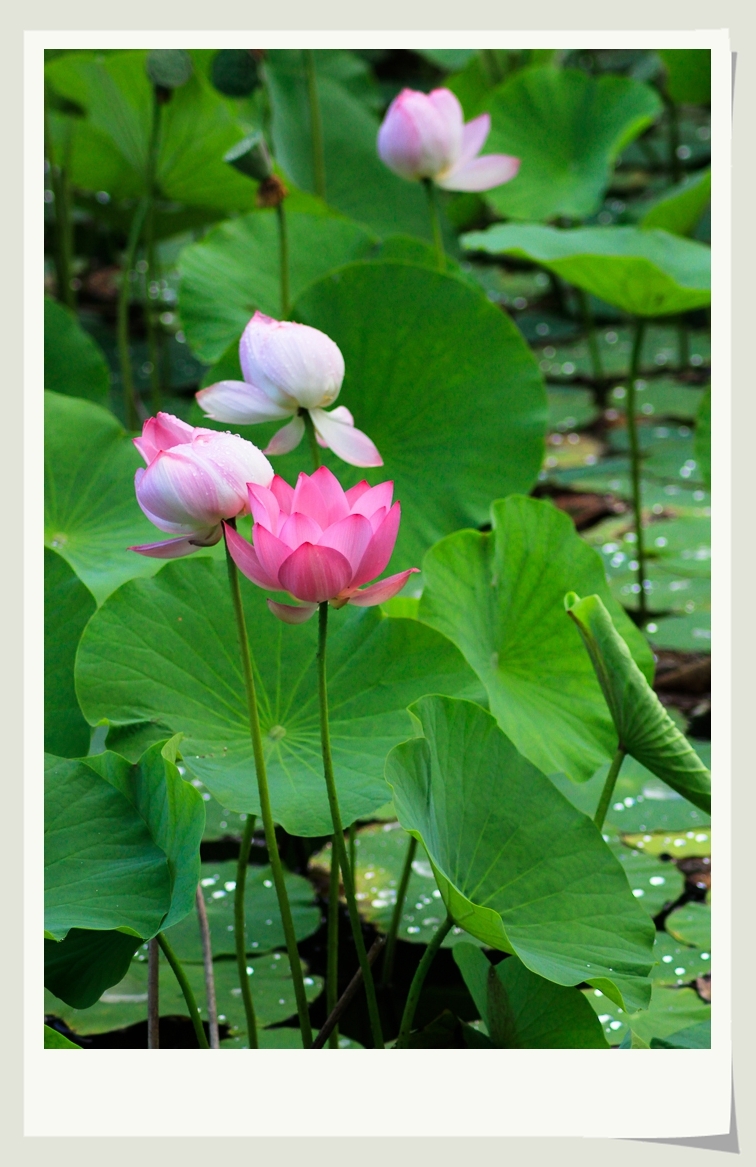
pixel 517 866
pixel 643 272
pixel 500 598
pixel 68 606
pixel 264 930
pixel 381 851
pixel 197 128
pixel 524 1011
pixel 356 181
pixel 103 869
pixel 567 128
pixel 442 382
pixel 74 363
pixel 126 1003
pixel 91 512
pixel 80 968
pixel 688 74
pixel 679 210
pixel 167 648
pixel 235 270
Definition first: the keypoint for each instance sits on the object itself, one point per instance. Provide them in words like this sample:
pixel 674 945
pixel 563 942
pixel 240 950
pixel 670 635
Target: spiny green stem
pixel 316 125
pixel 312 438
pixel 438 239
pixel 401 893
pixel 589 325
pixel 186 989
pixel 207 963
pixel 418 980
pixel 240 930
pixel 332 971
pixel 608 791
pixel 153 995
pixel 265 807
pixel 124 297
pixel 152 277
pixel 338 831
pixel 635 463
pixel 283 255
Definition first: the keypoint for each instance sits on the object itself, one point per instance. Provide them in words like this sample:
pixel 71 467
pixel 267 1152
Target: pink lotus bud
pixel 319 542
pixel 189 487
pixel 290 369
pixel 424 136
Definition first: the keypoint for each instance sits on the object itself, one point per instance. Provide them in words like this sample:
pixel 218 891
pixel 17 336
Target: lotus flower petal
pixel 374 498
pixel 283 492
pixel 308 500
pixel 271 551
pixel 264 507
pixel 346 442
pixel 291 362
pixel 483 173
pixel 414 138
pixel 292 614
pixel 287 439
pixel 337 506
pixel 356 492
pixel 175 548
pixel 298 529
pixel 162 433
pixel 384 590
pixel 379 549
pixel 351 536
pixel 239 403
pixel 245 558
pixel 474 136
pixel 315 573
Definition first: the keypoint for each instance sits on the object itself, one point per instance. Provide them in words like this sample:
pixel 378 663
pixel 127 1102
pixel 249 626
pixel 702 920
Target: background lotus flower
pixel 194 479
pixel 319 543
pixel 423 135
pixel 289 369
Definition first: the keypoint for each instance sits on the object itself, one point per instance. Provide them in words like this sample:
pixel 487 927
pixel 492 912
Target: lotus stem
pixel 401 895
pixel 63 232
pixel 608 791
pixel 312 439
pixel 240 930
pixel 589 325
pixel 338 831
pixel 438 238
pixel 265 807
pixel 331 1023
pixel 124 297
pixel 419 979
pixel 332 970
pixel 153 994
pixel 283 251
pixel 152 277
pixel 207 963
pixel 632 430
pixel 186 989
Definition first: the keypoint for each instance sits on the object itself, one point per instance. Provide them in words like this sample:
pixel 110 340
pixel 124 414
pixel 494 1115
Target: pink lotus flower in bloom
pixel 424 135
pixel 194 479
pixel 290 369
pixel 319 542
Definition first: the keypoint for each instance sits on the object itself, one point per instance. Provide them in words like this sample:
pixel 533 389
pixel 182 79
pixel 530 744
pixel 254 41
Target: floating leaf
pixel 692 1037
pixel 703 438
pixel 691 633
pixel 80 968
pixel 103 869
pixel 567 128
pixel 680 209
pixel 653 883
pixel 235 270
pixel 643 272
pixel 381 850
pixel 68 606
pixel 540 1014
pixel 691 924
pixel 264 929
pixel 499 598
pixel 643 726
pixel 126 1003
pixel 74 362
pixel 670 1010
pixel 679 844
pixel 487 818
pixel 167 648
pixel 678 964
